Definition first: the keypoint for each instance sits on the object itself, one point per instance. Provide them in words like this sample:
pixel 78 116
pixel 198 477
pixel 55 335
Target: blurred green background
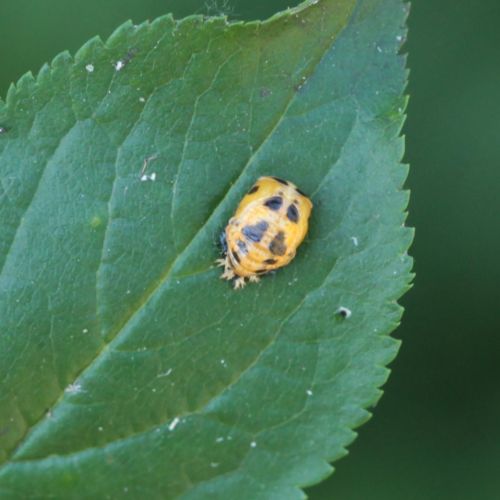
pixel 436 431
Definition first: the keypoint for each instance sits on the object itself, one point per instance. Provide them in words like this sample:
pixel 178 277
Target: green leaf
pixel 126 365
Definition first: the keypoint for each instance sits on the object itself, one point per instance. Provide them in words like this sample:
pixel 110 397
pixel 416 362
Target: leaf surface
pixel 126 366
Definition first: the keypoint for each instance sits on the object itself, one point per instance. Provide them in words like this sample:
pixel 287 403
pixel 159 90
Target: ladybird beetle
pixel 270 223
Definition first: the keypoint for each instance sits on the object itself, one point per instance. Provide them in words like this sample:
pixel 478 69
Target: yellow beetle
pixel 270 223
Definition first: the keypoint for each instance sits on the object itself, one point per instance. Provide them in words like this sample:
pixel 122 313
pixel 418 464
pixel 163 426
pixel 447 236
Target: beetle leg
pixel 239 283
pixel 228 274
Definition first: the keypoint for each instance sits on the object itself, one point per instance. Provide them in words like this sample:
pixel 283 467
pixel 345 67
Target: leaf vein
pixel 187 134
pixel 34 192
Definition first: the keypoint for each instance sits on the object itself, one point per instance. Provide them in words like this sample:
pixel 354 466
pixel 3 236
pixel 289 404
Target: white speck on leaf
pixel 145 164
pixel 253 444
pixel 309 392
pixel 214 464
pixel 173 424
pixel 344 312
pixel 89 68
pixel 85 330
pixel 355 240
pixel 142 99
pixel 100 429
pixel 73 388
pixel 219 439
pixel 146 177
pixel 165 374
pixel 379 49
pixel 119 65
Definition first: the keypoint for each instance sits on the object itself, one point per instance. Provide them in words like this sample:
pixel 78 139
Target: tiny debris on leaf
pixel 165 374
pixel 73 388
pixel 344 312
pixel 173 424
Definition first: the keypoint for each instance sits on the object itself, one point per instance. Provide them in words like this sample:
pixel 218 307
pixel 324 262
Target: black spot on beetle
pixel 235 256
pixel 281 180
pixel 270 261
pixel 277 245
pixel 223 242
pixel 300 192
pixel 254 233
pixel 261 271
pixel 292 213
pixel 254 189
pixel 274 203
pixel 242 246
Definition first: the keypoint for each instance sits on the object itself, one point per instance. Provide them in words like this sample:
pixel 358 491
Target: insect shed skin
pixel 263 235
